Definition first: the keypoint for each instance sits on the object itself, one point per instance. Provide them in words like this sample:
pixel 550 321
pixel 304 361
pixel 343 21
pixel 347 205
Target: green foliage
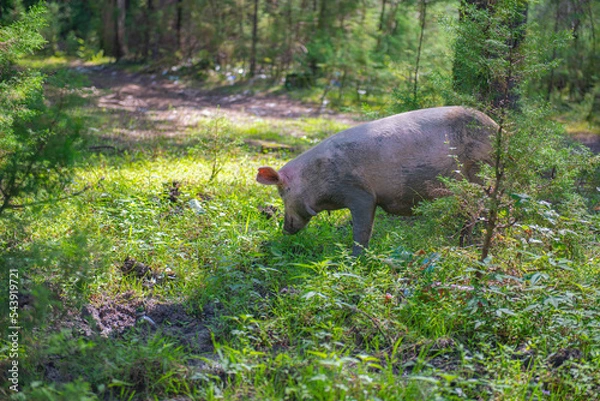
pixel 37 140
pixel 78 390
pixel 21 38
pixel 124 369
pixel 530 166
pixel 422 75
pixel 215 142
pixel 355 52
pixel 575 77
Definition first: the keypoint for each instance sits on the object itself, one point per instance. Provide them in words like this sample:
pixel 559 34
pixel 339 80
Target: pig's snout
pixel 290 230
pixel 292 225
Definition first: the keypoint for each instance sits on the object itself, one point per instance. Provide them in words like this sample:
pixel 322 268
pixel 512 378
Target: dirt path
pixel 166 98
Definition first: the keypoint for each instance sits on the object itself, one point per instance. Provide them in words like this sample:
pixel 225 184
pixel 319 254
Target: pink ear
pixel 268 176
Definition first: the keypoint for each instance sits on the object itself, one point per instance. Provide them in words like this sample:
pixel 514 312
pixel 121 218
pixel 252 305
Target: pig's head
pixel 297 212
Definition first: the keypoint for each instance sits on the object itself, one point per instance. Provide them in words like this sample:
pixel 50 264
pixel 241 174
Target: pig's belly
pixel 399 210
pixel 402 198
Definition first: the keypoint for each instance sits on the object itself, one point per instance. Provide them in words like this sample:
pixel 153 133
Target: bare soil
pixel 167 98
pixel 110 316
pixel 113 316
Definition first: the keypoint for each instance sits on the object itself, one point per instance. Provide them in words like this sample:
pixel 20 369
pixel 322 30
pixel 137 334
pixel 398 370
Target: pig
pixel 393 163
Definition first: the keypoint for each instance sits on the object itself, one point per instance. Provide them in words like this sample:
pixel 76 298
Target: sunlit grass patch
pixel 59 61
pixel 51 63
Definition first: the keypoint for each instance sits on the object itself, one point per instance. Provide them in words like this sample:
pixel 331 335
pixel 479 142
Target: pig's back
pixel 399 158
pixel 415 129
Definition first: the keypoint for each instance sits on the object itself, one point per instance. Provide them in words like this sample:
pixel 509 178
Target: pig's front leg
pixel 363 214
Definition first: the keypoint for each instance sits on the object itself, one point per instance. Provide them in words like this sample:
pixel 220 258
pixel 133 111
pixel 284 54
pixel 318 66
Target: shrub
pixel 37 141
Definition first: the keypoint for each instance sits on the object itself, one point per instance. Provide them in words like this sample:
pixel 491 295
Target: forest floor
pixel 145 108
pixel 172 108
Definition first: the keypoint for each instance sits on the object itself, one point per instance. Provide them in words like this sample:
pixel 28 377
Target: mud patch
pixel 149 275
pixel 109 318
pixel 563 355
pixel 172 191
pixel 113 317
pixel 105 316
pixel 132 267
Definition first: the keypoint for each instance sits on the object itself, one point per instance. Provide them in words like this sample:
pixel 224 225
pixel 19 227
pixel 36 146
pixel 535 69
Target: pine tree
pixel 496 54
pixel 36 140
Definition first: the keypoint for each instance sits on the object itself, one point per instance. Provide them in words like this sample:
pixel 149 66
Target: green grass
pixel 57 62
pixel 290 317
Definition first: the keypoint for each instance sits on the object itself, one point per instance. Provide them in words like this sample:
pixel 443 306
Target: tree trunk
pixel 594 115
pixel 394 13
pixel 381 23
pixel 148 17
pixel 320 28
pixel 416 82
pixel 518 27
pixel 254 40
pixel 551 77
pixel 342 85
pixel 241 18
pixel 322 14
pixel 289 39
pixel 382 15
pixel 478 84
pixel 178 23
pixel 108 28
pixel 120 41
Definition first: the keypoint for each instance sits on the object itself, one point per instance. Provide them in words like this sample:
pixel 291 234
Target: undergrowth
pixel 289 317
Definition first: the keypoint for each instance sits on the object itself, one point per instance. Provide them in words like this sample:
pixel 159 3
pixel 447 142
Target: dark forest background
pixel 358 49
